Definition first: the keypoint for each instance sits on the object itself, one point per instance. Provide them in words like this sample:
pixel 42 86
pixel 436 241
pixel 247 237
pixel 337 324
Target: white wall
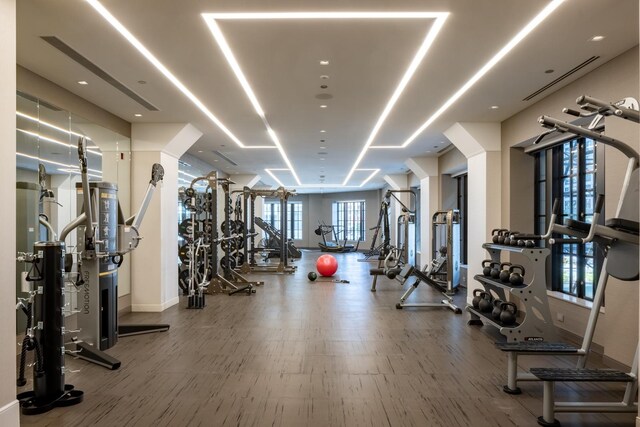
pixel 618 78
pixel 8 403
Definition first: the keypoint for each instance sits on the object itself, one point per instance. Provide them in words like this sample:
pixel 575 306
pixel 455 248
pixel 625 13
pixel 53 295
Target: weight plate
pixel 207 225
pixel 184 228
pixel 240 242
pixel 239 227
pixel 183 281
pixel 190 192
pixel 183 253
pixel 228 262
pixel 231 244
pixel 240 258
pixel 232 226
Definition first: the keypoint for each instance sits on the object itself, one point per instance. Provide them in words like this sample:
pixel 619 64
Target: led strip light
pixel 439 17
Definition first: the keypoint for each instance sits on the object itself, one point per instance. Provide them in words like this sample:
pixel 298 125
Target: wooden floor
pixel 298 353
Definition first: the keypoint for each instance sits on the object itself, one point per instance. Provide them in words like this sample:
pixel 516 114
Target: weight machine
pixel 277 242
pixel 104 237
pixel 443 272
pixel 392 257
pixel 619 237
pixel 206 273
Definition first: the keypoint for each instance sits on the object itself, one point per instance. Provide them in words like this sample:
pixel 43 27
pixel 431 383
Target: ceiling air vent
pixel 223 157
pixel 86 63
pixel 562 77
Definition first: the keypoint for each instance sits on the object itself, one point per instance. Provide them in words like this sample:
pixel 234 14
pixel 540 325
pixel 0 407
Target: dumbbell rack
pixel 536 324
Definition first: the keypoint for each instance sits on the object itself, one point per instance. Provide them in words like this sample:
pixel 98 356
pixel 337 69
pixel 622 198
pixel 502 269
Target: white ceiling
pixel 280 60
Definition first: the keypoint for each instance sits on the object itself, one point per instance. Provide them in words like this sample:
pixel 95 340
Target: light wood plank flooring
pixel 298 353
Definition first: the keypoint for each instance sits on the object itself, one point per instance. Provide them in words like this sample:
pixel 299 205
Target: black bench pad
pixel 578 225
pixel 622 224
pixel 537 346
pixel 577 375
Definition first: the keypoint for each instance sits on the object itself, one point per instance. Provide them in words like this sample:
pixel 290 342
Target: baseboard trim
pixel 154 308
pixel 10 414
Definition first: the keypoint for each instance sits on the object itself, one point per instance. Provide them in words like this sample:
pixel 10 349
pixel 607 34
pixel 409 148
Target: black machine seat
pixel 578 225
pixel 579 375
pixel 624 225
pixel 536 347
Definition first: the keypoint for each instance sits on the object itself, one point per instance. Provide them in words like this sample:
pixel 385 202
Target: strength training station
pixel 319 213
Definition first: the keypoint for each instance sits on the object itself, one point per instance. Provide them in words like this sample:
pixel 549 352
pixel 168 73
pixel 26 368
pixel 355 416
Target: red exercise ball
pixel 327 265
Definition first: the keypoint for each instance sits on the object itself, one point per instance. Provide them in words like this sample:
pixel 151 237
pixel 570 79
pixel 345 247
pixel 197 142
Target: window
pixel 569 173
pixel 294 219
pixel 349 219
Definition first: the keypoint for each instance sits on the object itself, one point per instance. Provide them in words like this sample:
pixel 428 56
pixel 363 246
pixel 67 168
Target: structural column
pixel 426 169
pixel 9 410
pixel 154 266
pixel 480 144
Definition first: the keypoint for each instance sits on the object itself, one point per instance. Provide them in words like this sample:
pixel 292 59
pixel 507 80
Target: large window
pixel 569 173
pixel 349 219
pixel 294 221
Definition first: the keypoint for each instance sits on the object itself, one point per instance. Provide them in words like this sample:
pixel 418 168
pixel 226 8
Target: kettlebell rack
pixel 536 324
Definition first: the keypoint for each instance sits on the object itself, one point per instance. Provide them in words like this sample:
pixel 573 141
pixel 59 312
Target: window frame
pixel 340 213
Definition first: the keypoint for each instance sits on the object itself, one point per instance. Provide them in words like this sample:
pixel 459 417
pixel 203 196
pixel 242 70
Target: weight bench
pixel 423 276
pixel 551 375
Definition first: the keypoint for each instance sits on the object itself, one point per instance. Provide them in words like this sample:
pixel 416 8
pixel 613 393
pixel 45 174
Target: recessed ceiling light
pixel 323 148
pixel 324 62
pixel 549 71
pixel 142 82
pixel 428 151
pixel 82 82
pixel 321 158
pixel 597 38
pixel 323 106
pixel 199 151
pixel 324 77
pixel 494 107
pixel 138 115
pixel 215 160
pixel 323 131
pixel 322 140
pixel 323 86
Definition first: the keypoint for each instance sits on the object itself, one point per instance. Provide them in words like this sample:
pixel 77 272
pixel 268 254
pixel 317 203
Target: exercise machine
pixel 443 272
pixel 619 237
pixel 391 258
pixel 104 237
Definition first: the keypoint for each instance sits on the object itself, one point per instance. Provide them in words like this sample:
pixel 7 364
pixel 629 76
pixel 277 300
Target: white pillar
pixel 154 264
pixel 9 410
pixel 480 143
pixel 426 169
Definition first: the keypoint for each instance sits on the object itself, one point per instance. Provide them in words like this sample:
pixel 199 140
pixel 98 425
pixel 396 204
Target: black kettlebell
pixel 495 314
pixel 516 278
pixel 508 313
pixel 486 267
pixel 476 297
pixel 511 238
pixel 495 270
pixel 529 243
pixel 504 271
pixel 494 234
pixel 486 302
pixel 501 236
pixel 521 243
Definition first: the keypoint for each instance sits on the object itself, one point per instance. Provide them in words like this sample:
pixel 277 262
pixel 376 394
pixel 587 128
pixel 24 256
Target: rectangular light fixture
pixel 165 71
pixel 373 173
pixel 524 32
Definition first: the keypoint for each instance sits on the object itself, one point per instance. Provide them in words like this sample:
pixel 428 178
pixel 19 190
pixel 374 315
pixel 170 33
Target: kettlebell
pixel 486 267
pixel 495 314
pixel 501 236
pixel 508 313
pixel 486 302
pixel 511 238
pixel 504 271
pixel 516 278
pixel 529 243
pixel 494 235
pixel 495 270
pixel 476 298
